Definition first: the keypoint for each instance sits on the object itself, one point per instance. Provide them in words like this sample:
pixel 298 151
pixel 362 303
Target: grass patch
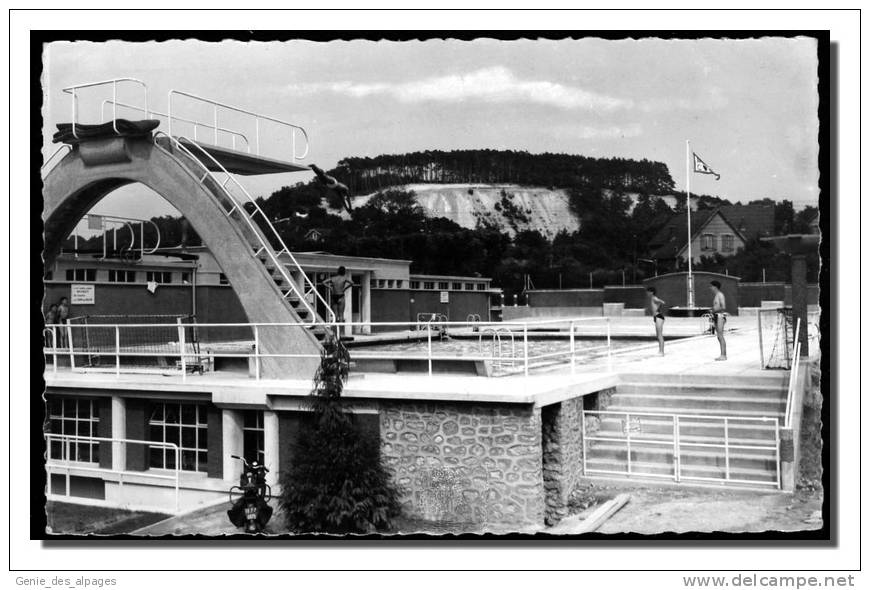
pixel 75 519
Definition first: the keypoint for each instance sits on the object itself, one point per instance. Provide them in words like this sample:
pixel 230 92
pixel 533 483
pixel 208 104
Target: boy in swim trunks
pixel 655 306
pixel 719 316
pixel 338 285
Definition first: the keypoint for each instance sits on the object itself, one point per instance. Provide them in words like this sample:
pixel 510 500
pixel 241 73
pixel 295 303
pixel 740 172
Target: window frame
pixel 91 450
pixel 199 449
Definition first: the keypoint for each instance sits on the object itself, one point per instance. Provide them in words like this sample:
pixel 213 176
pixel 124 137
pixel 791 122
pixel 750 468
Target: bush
pixel 337 482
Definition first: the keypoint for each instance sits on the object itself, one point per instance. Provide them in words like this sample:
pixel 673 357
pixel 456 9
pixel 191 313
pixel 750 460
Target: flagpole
pixel 690 286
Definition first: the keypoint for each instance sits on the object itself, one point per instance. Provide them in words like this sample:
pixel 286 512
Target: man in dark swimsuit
pixel 338 285
pixel 655 306
pixel 719 317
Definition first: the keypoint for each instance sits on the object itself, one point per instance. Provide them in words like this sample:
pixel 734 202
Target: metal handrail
pixel 793 375
pixel 179 348
pixel 62 147
pixel 69 464
pixel 257 118
pixel 114 82
pixel 127 221
pixel 264 243
pixel 195 123
pixel 678 444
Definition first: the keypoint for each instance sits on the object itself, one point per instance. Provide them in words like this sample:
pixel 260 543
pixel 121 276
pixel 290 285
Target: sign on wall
pixel 81 295
pixel 445 296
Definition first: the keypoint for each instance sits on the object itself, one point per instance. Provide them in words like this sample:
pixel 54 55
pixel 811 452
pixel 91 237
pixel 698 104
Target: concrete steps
pixel 701 402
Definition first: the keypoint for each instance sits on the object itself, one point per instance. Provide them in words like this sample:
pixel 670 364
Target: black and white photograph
pixel 446 286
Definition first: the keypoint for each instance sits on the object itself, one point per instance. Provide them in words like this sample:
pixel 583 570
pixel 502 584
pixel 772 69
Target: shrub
pixel 337 482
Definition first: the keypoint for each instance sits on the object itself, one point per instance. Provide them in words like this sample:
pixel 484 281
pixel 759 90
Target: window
pixel 415 284
pixel 74 417
pixel 253 436
pixel 443 285
pixel 391 284
pixel 223 280
pixel 481 286
pixel 158 276
pixel 399 284
pixel 457 286
pixel 81 274
pixel 185 425
pixel 469 286
pixel 122 276
pixel 727 243
pixel 428 284
pixel 185 278
pixel 708 242
pixel 49 275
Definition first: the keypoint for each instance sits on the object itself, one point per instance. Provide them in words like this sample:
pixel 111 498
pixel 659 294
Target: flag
pixel 702 168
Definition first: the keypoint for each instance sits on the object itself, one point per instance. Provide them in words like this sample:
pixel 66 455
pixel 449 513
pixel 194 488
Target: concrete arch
pixel 91 171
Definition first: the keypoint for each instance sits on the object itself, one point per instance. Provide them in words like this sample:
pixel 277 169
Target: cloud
pixel 495 84
pixel 612 132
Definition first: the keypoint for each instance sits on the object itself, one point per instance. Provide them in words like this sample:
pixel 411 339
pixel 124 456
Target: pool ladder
pixel 497 347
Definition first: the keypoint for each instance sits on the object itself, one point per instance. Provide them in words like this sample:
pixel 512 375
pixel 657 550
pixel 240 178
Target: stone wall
pixel 466 463
pixel 562 442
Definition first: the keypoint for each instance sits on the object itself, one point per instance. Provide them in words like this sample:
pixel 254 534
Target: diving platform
pixel 242 163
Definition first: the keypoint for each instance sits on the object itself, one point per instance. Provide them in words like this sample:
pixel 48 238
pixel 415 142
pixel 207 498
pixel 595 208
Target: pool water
pixel 464 347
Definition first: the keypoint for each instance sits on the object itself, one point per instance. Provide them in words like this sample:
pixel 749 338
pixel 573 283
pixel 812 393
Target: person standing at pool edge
pixel 719 317
pixel 338 285
pixel 655 306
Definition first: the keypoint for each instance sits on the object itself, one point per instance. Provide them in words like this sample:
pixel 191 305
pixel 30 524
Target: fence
pixel 677 443
pixel 65 450
pixel 181 347
pixel 775 337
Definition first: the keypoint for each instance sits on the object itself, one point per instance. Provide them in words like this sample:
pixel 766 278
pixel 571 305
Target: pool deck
pixel 693 356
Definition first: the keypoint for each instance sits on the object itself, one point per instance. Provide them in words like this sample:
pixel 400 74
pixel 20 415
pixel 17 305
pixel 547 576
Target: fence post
pixel 727 452
pixel 181 350
pixel 256 352
pixel 609 350
pixel 760 338
pixel 628 442
pixel 526 348
pixel 678 463
pixel 584 443
pixel 72 355
pixel 54 346
pixel 573 368
pixel 117 350
pixel 778 456
pixel 429 344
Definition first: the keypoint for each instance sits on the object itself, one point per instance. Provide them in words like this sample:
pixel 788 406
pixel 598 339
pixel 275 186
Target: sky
pixel 749 107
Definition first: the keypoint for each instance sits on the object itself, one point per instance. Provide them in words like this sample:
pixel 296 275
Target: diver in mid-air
pixel 331 183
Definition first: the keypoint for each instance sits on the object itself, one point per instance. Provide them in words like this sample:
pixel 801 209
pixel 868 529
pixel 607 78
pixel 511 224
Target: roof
pixel 670 240
pixel 752 221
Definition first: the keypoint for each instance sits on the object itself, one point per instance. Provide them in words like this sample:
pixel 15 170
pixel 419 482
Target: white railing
pixel 793 375
pixel 64 147
pixel 120 341
pixel 67 465
pixel 309 289
pixel 123 222
pixel 73 90
pixel 196 124
pixel 218 106
pixel 677 444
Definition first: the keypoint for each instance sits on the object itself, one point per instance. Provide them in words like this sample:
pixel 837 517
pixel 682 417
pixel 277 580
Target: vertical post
pixel 54 346
pixel 76 242
pixel 677 448
pixel 429 344
pixel 257 134
pixel 177 473
pixel 727 453
pixel 778 464
pixel 115 106
pixel 760 338
pixel 573 366
pixel 256 352
pixel 75 112
pixel 141 240
pixel 583 436
pixel 628 443
pixel 181 350
pixel 526 348
pixel 691 284
pixel 609 351
pixel 117 350
pixel 72 354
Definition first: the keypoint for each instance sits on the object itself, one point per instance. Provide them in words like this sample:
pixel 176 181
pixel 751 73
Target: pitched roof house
pixel 712 233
